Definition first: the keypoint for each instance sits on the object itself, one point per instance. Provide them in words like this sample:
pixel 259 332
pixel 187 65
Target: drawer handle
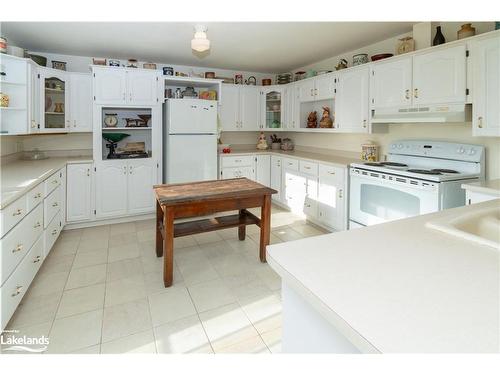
pixel 37 259
pixel 307 167
pixel 18 291
pixel 37 225
pixel 407 94
pixel 19 247
pixel 480 122
pixel 54 232
pixel 415 93
pixel 237 160
pixel 331 172
pixel 340 193
pixel 55 181
pixel 307 205
pixel 54 204
pixel 39 195
pixel 19 211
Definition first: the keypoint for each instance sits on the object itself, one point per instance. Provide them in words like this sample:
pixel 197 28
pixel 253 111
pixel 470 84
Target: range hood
pixel 431 113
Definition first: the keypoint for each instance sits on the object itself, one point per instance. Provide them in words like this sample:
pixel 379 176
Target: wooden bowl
pixel 266 82
pixel 381 56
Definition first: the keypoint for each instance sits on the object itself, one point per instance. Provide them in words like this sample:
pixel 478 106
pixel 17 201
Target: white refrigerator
pixel 190 140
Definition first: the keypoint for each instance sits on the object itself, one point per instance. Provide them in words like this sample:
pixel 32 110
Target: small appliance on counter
pixel 287 144
pixel 369 152
pixel 36 154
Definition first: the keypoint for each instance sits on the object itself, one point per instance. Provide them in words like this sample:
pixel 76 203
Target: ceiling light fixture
pixel 200 43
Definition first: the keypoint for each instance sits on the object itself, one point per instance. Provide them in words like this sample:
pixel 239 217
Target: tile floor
pixel 101 291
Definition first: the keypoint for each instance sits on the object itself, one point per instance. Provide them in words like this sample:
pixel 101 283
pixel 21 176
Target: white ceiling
pixel 267 47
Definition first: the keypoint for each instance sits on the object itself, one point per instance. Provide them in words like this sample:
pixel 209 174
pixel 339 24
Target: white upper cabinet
pixel 439 77
pixel 78 192
pixel 306 90
pixel 485 56
pixel 80 102
pixel 142 87
pixel 229 108
pixel 125 86
pixel 249 108
pixel 291 113
pixel 324 87
pixel 110 86
pixel 351 104
pixel 111 189
pixel 141 178
pixel 391 84
pixel 54 100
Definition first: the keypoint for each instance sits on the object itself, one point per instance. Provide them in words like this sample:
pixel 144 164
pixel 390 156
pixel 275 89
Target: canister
pixel 3 45
pixel 369 152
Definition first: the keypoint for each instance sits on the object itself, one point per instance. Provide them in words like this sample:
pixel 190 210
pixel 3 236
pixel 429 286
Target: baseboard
pixel 117 220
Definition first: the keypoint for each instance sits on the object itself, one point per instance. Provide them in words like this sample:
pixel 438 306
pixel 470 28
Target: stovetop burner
pixel 373 164
pixel 424 171
pixel 444 170
pixel 393 164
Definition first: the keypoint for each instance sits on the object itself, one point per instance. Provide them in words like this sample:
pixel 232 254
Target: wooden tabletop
pixel 171 194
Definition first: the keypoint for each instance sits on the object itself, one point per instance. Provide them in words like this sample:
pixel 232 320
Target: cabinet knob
pixel 74 123
pixel 407 94
pixel 54 204
pixel 18 248
pixel 37 259
pixel 480 122
pixel 54 232
pixel 364 123
pixel 37 225
pixel 312 92
pixel 341 193
pixel 88 172
pixel 18 290
pixel 415 93
pixel 17 212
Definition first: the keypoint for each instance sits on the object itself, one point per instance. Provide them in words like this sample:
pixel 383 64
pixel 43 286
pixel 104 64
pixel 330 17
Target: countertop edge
pixel 330 315
pixel 479 188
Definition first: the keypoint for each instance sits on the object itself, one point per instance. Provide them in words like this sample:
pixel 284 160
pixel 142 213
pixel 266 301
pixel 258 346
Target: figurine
pixel 262 144
pixel 326 121
pixel 341 65
pixel 312 120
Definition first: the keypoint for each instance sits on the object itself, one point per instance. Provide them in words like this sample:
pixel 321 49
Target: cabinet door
pixel 111 189
pixel 34 99
pixel 331 202
pixel 351 107
pixel 142 87
pixel 391 84
pixel 306 90
pixel 229 108
pixel 263 169
pixel 249 108
pixel 486 90
pixel 272 106
pixel 295 190
pixel 324 87
pixel 78 192
pixel 276 178
pixel 439 77
pixel 54 102
pixel 110 86
pixel 140 186
pixel 291 105
pixel 81 103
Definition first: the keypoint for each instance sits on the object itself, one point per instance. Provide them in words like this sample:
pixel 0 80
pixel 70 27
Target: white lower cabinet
pixel 125 187
pixel 52 233
pixel 263 169
pixel 237 172
pixel 238 166
pixel 79 192
pixel 331 197
pixel 276 171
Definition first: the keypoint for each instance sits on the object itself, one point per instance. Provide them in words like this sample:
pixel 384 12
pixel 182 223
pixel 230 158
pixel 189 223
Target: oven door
pixel 379 197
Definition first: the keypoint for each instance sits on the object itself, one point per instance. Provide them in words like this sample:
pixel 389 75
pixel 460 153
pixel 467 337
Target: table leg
pixel 242 228
pixel 159 238
pixel 168 247
pixel 265 227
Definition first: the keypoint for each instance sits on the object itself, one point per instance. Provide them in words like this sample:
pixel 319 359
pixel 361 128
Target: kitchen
pixel 353 151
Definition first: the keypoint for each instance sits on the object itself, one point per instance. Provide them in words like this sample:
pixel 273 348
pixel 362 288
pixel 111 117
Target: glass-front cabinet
pixel 54 101
pixel 272 107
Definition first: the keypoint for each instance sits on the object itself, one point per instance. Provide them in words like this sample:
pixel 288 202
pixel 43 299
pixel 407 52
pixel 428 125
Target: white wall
pixel 10 144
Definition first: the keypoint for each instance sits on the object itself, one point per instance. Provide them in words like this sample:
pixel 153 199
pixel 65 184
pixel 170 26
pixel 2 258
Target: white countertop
pixel 339 160
pixel 489 187
pixel 400 286
pixel 19 176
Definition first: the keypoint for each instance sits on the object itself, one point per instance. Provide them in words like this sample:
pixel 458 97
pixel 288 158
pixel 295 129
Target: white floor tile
pixel 142 342
pixel 203 238
pixel 90 258
pixel 123 269
pixel 125 319
pixel 75 332
pixel 93 244
pixel 263 311
pixel 35 310
pixel 197 272
pixel 122 228
pixel 80 300
pixel 273 340
pixel 123 239
pixel 128 251
pixel 86 276
pixel 210 295
pixel 171 305
pixel 182 336
pixel 57 262
pixel 47 283
pixel 125 290
pixel 250 345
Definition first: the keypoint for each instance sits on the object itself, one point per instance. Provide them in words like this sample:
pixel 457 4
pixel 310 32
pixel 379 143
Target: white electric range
pixel 418 177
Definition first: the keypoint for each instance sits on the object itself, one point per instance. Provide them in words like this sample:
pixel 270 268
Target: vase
pixel 466 31
pixel 58 107
pixel 439 38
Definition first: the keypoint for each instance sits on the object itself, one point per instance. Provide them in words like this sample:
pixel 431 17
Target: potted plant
pixel 275 142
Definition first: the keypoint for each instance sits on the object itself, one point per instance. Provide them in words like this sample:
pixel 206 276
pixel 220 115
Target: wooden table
pixel 176 201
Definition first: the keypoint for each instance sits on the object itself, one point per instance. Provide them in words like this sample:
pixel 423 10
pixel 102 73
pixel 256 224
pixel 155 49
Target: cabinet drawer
pixel 237 161
pixel 308 167
pixel 331 171
pixel 247 172
pixel 17 243
pixel 53 182
pixel 35 196
pixel 51 233
pixel 292 164
pixel 14 288
pixel 13 213
pixel 51 205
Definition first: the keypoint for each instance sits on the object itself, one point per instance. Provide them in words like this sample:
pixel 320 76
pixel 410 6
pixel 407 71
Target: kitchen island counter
pixel 396 287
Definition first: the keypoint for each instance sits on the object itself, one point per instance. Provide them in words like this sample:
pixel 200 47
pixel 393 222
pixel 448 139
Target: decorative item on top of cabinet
pixel 266 82
pixel 405 45
pixel 238 79
pixel 326 121
pixel 114 63
pixel 169 71
pixel 466 31
pixel 341 65
pixel 439 38
pixel 312 120
pixel 275 142
pixel 369 151
pixel 287 144
pixel 359 59
pixel 149 66
pixel 251 81
pixel 381 56
pixel 61 65
pixel 132 63
pixel 98 61
pixel 262 143
pixel 299 75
